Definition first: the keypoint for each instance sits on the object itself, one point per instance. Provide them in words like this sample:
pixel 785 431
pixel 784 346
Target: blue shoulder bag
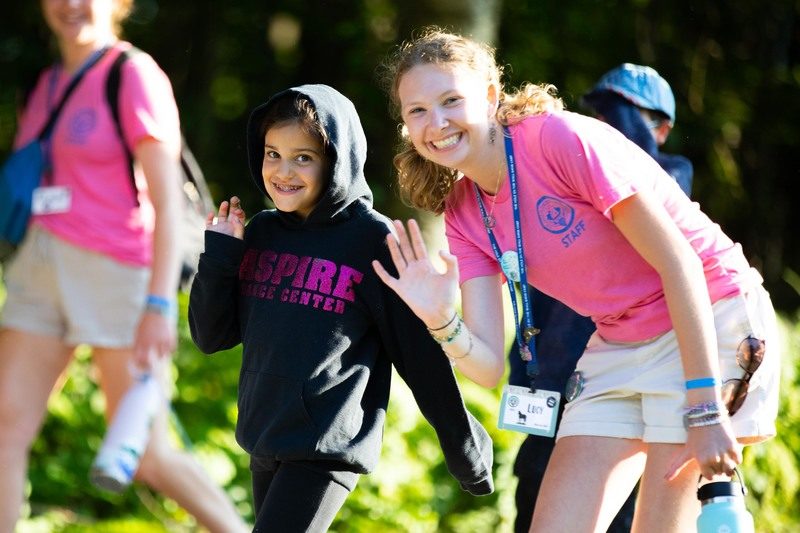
pixel 22 172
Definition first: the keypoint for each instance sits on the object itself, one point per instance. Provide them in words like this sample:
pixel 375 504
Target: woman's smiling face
pixel 446 112
pixel 79 21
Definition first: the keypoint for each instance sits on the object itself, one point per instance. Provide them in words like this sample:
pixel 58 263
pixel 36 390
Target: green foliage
pixel 410 491
pixel 733 67
pixel 410 486
pixel 205 405
pixel 735 73
pixel 772 469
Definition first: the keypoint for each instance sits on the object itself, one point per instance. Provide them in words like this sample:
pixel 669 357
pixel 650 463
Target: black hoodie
pixel 319 329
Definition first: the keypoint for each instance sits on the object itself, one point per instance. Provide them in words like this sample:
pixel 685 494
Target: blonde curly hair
pixel 122 10
pixel 424 184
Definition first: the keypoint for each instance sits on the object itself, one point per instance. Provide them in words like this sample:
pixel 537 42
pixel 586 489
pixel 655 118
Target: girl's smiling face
pixel 294 168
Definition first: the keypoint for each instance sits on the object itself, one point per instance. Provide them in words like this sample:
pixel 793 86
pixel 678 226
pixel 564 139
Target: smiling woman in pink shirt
pixel 683 368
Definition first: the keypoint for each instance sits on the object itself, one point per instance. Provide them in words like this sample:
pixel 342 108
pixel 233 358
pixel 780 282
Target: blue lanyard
pixel 525 340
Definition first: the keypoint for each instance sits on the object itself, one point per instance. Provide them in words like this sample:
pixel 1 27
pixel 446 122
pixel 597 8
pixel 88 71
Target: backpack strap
pixel 191 170
pixel 112 97
pixel 47 129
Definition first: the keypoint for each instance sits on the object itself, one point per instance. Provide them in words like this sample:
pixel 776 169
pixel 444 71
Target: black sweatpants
pixel 300 497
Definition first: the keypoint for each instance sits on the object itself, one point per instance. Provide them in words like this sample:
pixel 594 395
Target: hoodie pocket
pixel 273 420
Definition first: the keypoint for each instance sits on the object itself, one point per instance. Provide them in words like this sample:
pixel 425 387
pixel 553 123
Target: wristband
pixel 701 383
pixel 449 338
pixel 701 409
pixel 159 305
pixel 448 323
pixel 702 414
pixel 703 421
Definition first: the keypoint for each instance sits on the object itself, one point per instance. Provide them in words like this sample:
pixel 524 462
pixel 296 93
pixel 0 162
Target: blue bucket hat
pixel 640 85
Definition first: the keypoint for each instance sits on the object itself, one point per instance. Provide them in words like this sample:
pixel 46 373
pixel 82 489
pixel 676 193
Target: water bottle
pixel 722 508
pixel 127 436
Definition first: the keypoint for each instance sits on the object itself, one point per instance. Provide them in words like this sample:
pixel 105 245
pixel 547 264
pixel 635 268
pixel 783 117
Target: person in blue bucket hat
pixel 637 101
pixel 641 85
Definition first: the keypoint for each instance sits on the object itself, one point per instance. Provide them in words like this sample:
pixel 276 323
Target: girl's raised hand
pixel 229 220
pixel 429 293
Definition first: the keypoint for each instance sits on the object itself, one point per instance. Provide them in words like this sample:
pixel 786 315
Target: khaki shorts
pixel 79 296
pixel 637 391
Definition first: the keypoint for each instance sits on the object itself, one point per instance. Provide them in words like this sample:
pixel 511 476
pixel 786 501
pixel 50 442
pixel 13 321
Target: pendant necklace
pixel 489 220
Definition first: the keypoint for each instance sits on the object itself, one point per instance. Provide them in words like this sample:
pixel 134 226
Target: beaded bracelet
pixel 707 420
pixel 453 335
pixel 701 409
pixel 462 356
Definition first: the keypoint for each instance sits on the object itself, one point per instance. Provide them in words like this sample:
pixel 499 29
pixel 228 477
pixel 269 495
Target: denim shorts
pixel 60 290
pixel 637 390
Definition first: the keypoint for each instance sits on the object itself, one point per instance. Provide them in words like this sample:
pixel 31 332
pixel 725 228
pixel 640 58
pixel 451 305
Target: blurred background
pixel 734 68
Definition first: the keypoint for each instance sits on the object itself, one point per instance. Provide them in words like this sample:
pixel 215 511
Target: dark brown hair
pixel 295 108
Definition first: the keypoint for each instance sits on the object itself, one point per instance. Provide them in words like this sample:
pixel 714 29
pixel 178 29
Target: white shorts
pixel 59 290
pixel 637 390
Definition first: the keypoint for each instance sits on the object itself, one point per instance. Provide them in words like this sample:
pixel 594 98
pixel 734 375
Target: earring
pixel 492 134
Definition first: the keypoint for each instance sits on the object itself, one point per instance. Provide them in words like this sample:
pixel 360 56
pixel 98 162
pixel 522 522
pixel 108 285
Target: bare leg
pixel 666 507
pixel 164 468
pixel 586 482
pixel 29 367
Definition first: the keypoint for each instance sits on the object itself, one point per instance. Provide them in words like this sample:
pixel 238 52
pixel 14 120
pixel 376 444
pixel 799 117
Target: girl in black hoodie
pixel 319 330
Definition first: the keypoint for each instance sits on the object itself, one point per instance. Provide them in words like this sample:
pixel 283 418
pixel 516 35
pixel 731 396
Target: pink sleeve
pixel 147 105
pixel 596 161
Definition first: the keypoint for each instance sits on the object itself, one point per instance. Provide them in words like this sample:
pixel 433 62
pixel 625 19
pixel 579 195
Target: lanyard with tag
pixel 513 266
pixel 518 403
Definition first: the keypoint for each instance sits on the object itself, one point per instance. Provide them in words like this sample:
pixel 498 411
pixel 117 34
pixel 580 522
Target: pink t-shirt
pixel 571 170
pixel 88 156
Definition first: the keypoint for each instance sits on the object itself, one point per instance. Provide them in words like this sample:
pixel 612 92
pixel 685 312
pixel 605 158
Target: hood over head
pixel 346 149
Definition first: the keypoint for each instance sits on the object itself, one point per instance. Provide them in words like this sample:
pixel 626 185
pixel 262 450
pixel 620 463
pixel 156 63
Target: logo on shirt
pixel 81 124
pixel 301 280
pixel 554 215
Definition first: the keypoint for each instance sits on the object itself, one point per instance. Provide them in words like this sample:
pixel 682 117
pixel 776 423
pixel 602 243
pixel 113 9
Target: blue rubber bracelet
pixel 158 300
pixel 701 383
pixel 160 305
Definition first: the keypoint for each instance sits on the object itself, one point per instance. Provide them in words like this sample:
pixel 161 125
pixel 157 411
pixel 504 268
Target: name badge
pixel 527 412
pixel 51 200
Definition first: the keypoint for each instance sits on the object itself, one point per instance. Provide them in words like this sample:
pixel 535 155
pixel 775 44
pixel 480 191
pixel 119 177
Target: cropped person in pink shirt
pixel 683 368
pixel 99 264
